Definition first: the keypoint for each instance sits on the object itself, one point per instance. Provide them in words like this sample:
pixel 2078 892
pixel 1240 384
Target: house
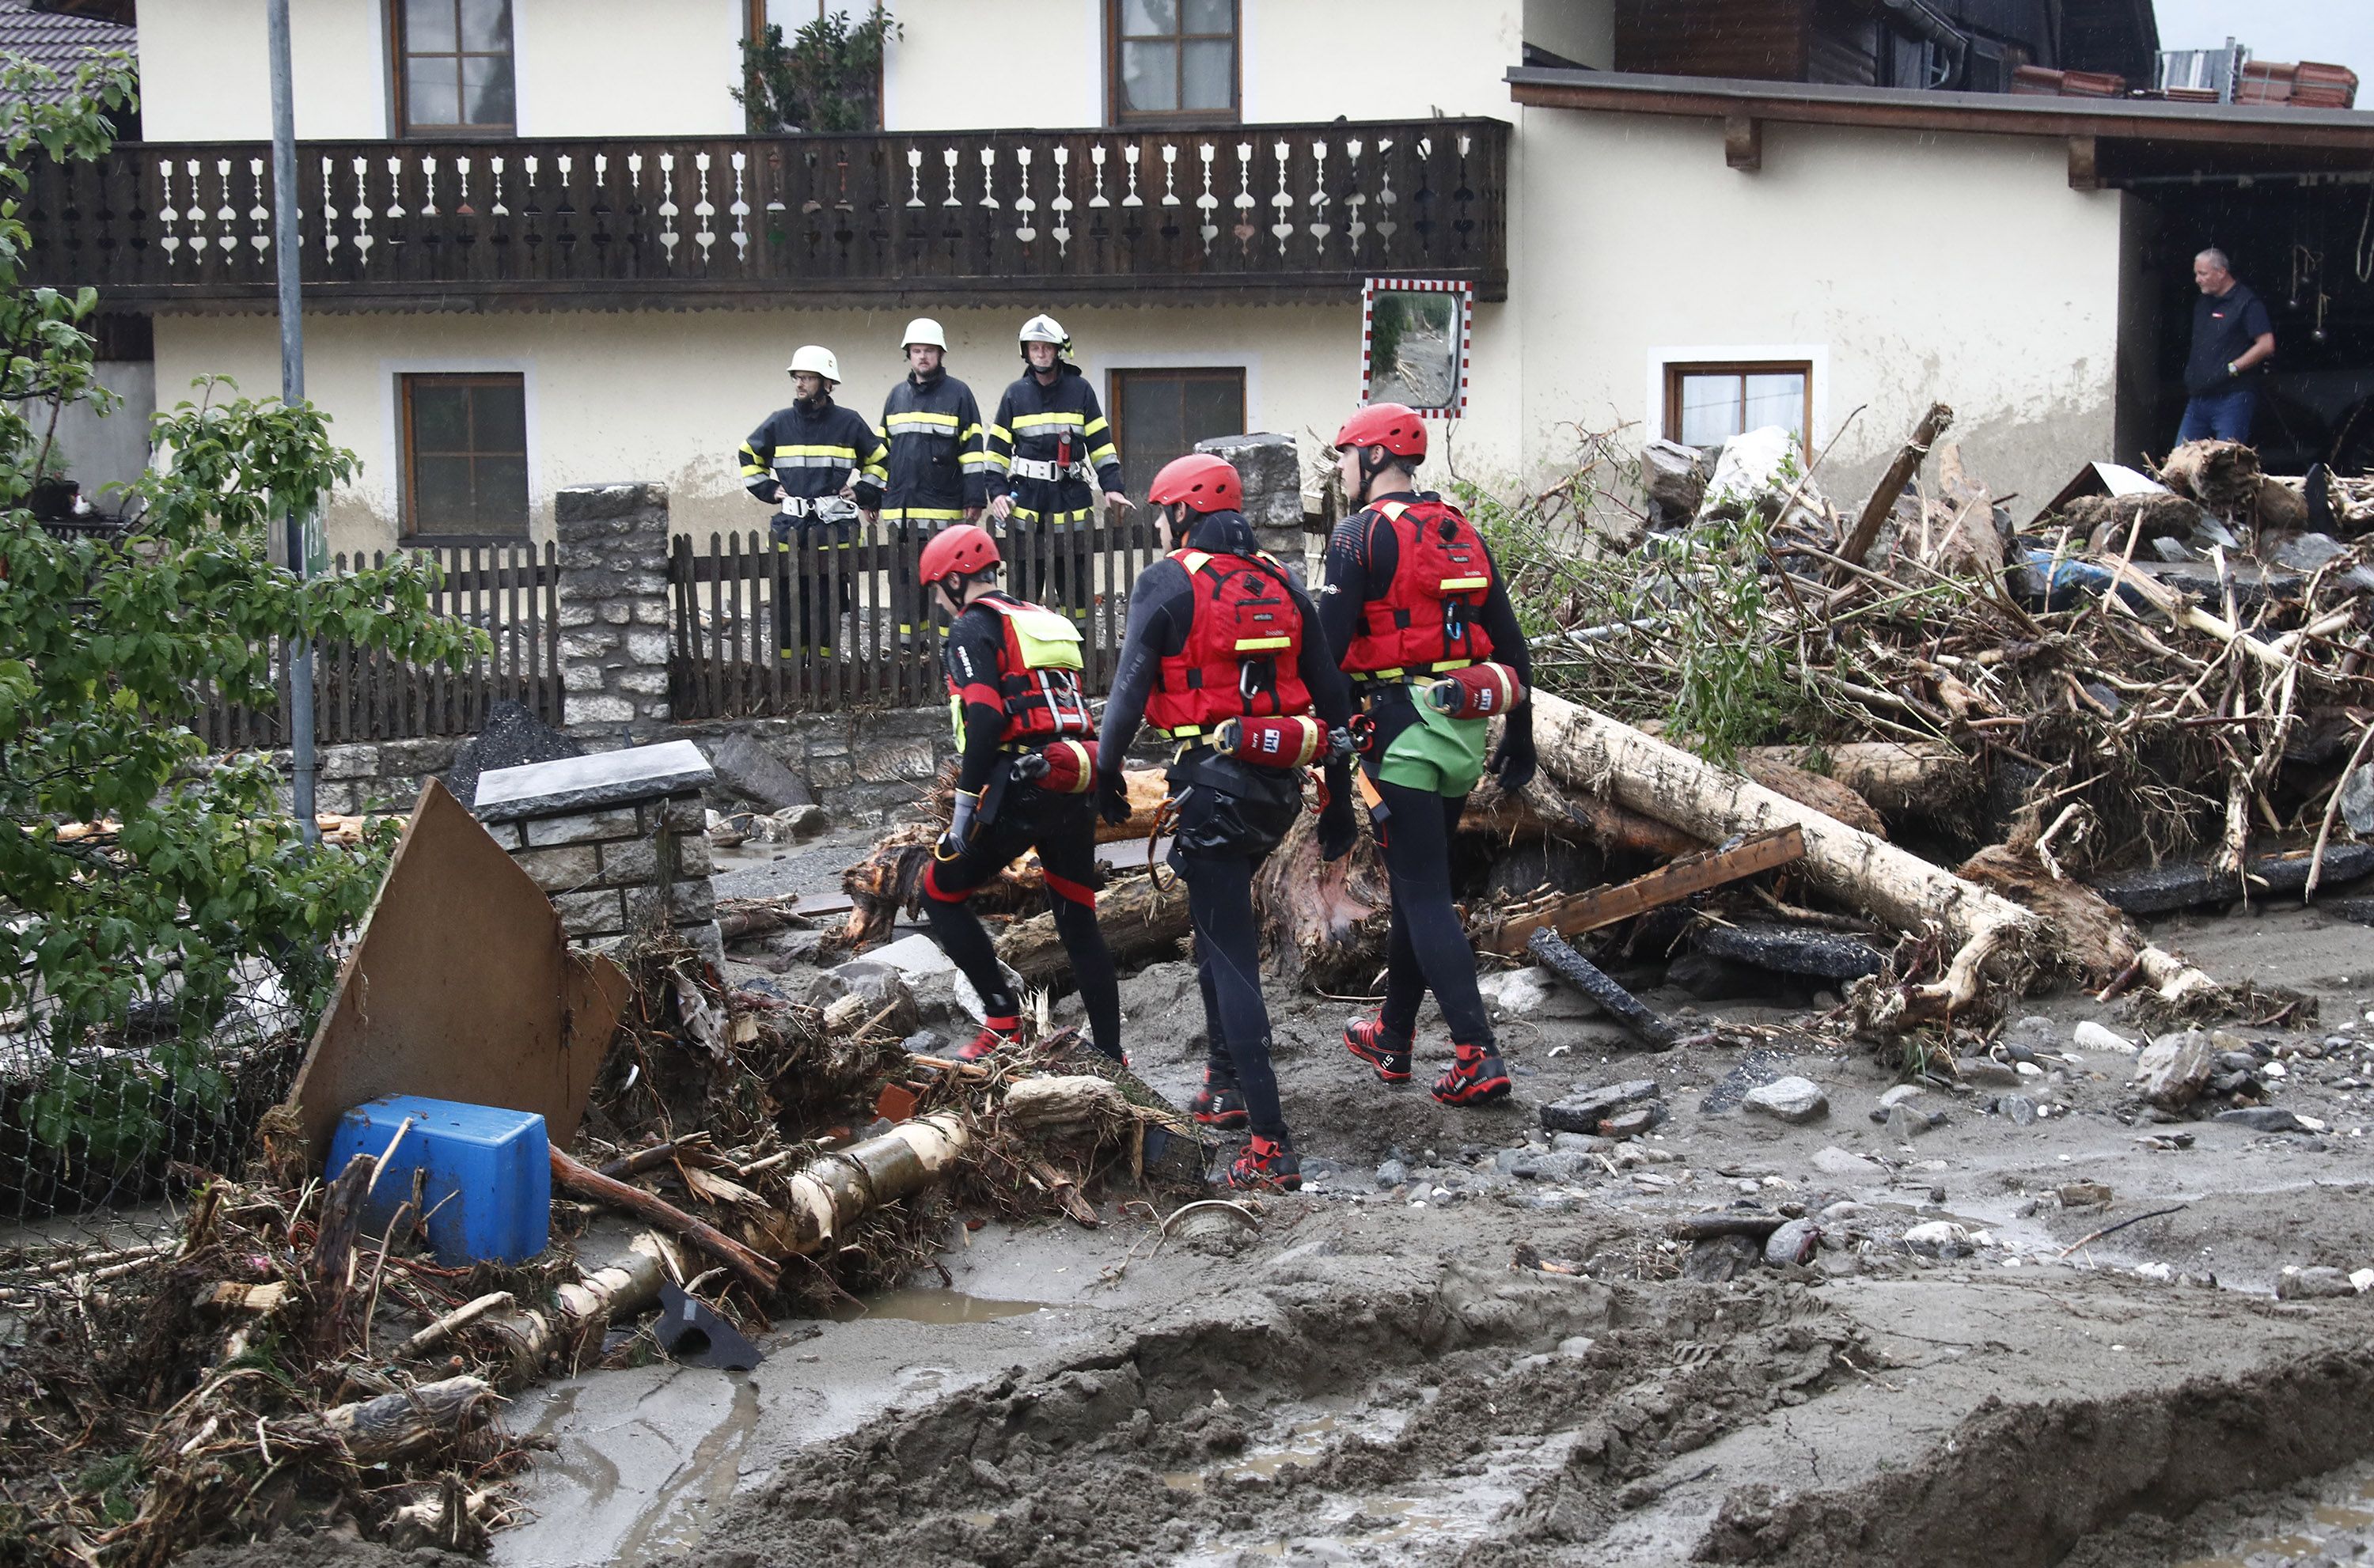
pixel 540 250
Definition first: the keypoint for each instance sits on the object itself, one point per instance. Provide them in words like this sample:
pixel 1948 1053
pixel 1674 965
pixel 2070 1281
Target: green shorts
pixel 1438 753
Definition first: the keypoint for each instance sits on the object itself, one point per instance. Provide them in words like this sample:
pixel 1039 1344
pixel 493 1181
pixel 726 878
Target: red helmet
pixel 1393 425
pixel 1206 483
pixel 962 551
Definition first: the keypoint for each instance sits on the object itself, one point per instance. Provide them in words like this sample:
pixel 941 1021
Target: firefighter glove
pixel 1112 796
pixel 1514 763
pixel 1337 830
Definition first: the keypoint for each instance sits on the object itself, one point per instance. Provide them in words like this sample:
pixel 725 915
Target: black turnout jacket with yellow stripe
pixel 1040 423
pixel 814 453
pixel 939 451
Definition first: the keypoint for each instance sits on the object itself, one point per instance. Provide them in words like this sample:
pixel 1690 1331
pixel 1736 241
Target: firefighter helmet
pixel 1206 483
pixel 924 330
pixel 966 550
pixel 1043 328
pixel 1393 425
pixel 817 360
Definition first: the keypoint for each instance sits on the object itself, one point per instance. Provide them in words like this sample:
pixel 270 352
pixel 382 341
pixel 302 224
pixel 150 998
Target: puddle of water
pixel 1306 1444
pixel 2353 1513
pixel 934 1306
pixel 678 1515
pixel 1404 1513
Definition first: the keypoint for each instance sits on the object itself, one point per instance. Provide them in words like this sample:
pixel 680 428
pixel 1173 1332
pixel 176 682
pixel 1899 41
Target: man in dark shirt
pixel 2231 338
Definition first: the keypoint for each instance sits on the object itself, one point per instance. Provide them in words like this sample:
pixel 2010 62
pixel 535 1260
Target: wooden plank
pixel 1668 884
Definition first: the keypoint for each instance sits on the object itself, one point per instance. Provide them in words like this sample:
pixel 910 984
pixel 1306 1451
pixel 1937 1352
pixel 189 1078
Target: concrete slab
pixel 588 783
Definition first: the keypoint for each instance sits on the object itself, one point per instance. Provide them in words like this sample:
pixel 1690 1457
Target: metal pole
pixel 292 392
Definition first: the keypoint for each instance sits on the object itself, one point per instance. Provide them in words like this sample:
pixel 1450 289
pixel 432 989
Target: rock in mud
pixel 2314 1284
pixel 2092 1036
pixel 1584 1110
pixel 2018 1108
pixel 1634 1120
pixel 1533 992
pixel 1898 1095
pixel 1939 1238
pixel 1722 1258
pixel 2084 1195
pixel 1578 1144
pixel 2262 1119
pixel 1391 1174
pixel 1793 1100
pixel 1986 1072
pixel 1905 1123
pixel 751 771
pixel 1794 1243
pixel 880 984
pixel 1835 1161
pixel 2174 1069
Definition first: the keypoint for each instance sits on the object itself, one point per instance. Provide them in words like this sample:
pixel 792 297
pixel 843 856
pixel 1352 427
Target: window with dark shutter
pixel 465 457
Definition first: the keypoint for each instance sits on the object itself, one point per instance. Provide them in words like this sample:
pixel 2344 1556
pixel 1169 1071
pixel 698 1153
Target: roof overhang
pixel 2109 139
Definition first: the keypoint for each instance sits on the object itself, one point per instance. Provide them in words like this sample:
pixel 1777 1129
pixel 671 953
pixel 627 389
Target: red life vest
pixel 1431 617
pixel 1242 656
pixel 1038 677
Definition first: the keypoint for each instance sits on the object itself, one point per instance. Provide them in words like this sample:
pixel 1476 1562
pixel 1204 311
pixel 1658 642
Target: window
pixel 1708 405
pixel 1159 414
pixel 862 94
pixel 1171 60
pixel 466 457
pixel 454 66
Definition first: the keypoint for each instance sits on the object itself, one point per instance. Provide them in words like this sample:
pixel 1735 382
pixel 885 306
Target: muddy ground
pixel 1367 1378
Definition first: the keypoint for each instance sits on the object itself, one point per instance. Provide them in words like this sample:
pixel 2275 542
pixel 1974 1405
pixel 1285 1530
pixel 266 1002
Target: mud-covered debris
pixel 2173 1071
pixel 1634 1120
pixel 2092 1036
pixel 1584 1110
pixel 1940 1238
pixel 1793 1100
pixel 2262 1119
pixel 1718 1258
pixel 1904 1123
pixel 2084 1195
pixel 1754 1223
pixel 2313 1285
pixel 1793 950
pixel 1794 1244
pixel 1558 955
pixel 1986 1072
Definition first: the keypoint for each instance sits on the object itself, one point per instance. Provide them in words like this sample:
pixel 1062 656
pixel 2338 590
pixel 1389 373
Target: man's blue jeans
pixel 2223 415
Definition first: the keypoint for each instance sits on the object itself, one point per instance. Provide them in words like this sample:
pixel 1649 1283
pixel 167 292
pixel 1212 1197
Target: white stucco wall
pixel 581 68
pixel 1879 256
pixel 655 396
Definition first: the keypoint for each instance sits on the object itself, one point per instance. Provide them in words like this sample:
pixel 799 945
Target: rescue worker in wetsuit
pixel 1049 452
pixel 1026 766
pixel 940 463
pixel 1223 655
pixel 812 459
pixel 1420 617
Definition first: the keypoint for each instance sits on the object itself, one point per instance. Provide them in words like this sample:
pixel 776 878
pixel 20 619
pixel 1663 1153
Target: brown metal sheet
pixel 461 987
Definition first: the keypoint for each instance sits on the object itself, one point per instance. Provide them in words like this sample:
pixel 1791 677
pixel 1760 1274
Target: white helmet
pixel 1047 329
pixel 924 330
pixel 819 359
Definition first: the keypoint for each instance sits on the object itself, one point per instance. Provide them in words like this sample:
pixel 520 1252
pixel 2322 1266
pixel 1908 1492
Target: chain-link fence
pixel 104 1115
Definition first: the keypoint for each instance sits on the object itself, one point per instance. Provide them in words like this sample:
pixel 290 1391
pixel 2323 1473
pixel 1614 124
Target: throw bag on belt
pixel 1478 692
pixel 1295 742
pixel 1070 768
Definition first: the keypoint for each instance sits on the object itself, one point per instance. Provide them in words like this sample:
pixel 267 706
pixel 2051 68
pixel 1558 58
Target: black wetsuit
pixel 1062 828
pixel 1231 814
pixel 1429 948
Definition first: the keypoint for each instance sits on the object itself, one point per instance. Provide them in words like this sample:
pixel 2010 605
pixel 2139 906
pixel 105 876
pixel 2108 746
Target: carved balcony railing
pixel 1282 211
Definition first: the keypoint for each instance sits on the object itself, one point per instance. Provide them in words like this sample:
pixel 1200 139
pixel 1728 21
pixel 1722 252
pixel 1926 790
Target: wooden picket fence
pixel 511 592
pixel 733 657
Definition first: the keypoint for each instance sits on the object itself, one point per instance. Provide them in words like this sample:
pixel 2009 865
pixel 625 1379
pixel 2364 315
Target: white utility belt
pixel 1035 468
pixel 825 508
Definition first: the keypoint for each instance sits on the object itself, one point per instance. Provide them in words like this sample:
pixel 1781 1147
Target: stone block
pixel 705 937
pixel 590 914
pixel 656 711
pixel 893 764
pixel 566 868
pixel 692 857
pixel 643 682
pixel 581 678
pixel 831 772
pixel 576 612
pixel 428 754
pixel 678 903
pixel 574 505
pixel 594 708
pixel 348 762
pixel 584 827
pixel 339 799
pixel 646 645
pixel 630 862
pixel 1271 467
pixel 587 646
pixel 585 783
pixel 616 612
pixel 650 612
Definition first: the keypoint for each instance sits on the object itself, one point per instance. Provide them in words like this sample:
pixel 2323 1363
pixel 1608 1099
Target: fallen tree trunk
pixel 571 1175
pixel 1927 781
pixel 2093 939
pixel 1136 917
pixel 1322 922
pixel 394 1426
pixel 1994 936
pixel 628 1285
pixel 1826 796
pixel 1899 474
pixel 837 1189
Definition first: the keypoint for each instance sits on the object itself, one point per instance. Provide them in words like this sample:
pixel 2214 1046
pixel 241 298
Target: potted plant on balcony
pixel 828 76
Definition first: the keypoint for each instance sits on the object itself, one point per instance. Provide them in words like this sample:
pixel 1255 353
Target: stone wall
pixel 614 609
pixel 376 774
pixel 861 766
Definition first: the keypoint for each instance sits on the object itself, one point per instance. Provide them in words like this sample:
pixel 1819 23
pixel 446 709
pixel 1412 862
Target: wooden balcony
pixel 1273 212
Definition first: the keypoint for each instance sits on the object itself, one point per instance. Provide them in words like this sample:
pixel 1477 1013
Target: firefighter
pixel 939 463
pixel 813 460
pixel 1050 452
pixel 1417 614
pixel 1027 763
pixel 1223 656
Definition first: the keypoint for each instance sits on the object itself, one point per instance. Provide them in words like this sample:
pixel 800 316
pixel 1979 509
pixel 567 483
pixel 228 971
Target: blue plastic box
pixel 489 1190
